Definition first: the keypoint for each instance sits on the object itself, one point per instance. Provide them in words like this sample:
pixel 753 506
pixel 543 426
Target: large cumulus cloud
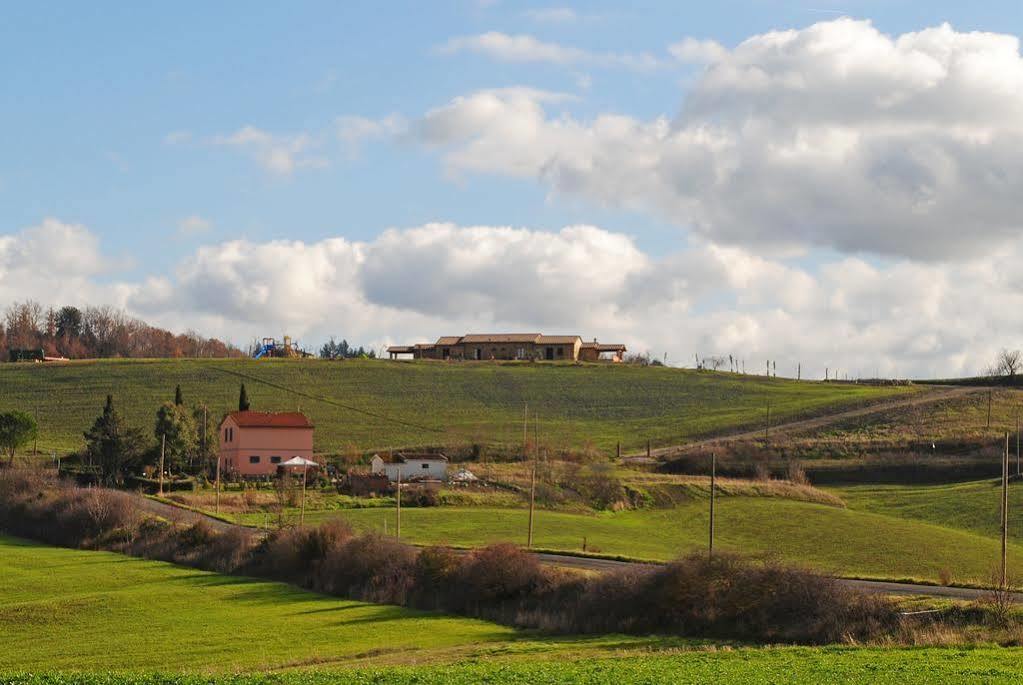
pixel 834 136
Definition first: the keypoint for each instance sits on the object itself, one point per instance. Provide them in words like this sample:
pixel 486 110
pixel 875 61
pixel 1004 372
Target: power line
pixel 335 403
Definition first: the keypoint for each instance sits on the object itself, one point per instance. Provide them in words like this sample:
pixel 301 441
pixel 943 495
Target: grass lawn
pixel 842 541
pixel 63 609
pixel 467 402
pixel 809 666
pixel 97 618
pixel 972 506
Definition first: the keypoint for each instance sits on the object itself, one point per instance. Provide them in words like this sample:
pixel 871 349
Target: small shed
pixel 410 466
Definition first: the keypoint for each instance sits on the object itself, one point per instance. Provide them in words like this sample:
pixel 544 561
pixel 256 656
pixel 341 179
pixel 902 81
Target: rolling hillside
pixel 380 404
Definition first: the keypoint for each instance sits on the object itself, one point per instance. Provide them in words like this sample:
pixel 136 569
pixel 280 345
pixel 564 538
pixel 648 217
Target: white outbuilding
pixel 410 466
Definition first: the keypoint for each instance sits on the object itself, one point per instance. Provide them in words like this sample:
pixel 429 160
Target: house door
pixel 479 353
pixel 549 353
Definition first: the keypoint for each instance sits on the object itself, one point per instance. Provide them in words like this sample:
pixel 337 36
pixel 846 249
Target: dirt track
pixel 921 398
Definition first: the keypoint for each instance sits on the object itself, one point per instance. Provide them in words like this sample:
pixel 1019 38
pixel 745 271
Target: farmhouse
pixel 410 466
pixel 507 346
pixel 254 443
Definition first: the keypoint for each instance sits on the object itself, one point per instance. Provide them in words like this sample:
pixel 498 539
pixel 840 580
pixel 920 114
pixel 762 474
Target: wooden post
pixel 218 481
pixel 1017 445
pixel 767 426
pixel 163 447
pixel 713 485
pixel 648 448
pixel 301 515
pixel 618 451
pixel 1005 508
pixel 397 523
pixel 989 409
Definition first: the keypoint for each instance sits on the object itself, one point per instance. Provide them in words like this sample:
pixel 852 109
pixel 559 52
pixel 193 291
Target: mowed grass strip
pixel 466 403
pixel 799 666
pixel 841 541
pixel 64 609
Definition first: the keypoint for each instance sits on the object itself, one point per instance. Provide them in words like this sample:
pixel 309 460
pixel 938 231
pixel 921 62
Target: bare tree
pixel 1008 363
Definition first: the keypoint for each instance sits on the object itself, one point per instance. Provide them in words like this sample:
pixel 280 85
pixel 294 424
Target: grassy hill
pixel 971 506
pixel 833 539
pixel 69 616
pixel 449 405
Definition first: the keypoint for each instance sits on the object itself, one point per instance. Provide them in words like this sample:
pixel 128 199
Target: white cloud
pixel 352 131
pixel 278 154
pixel 693 50
pixel 194 225
pixel 524 48
pixel 834 136
pixel 56 261
pixel 900 318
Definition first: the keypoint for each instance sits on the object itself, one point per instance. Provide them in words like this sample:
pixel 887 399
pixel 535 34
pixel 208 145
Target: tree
pixel 1009 363
pixel 178 399
pixel 174 425
pixel 69 322
pixel 112 446
pixel 205 437
pixel 243 399
pixel 17 429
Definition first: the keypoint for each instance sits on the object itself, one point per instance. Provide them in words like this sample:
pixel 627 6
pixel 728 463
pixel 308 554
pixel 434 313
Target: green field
pixel 451 405
pixel 972 506
pixel 845 542
pixel 70 616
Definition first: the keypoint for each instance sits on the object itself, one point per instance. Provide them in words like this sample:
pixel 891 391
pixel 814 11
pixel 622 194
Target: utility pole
pixel 163 447
pixel 989 409
pixel 532 478
pixel 767 426
pixel 799 371
pixel 1017 444
pixel 1005 508
pixel 525 422
pixel 218 482
pixel 648 448
pixel 301 515
pixel 397 523
pixel 713 486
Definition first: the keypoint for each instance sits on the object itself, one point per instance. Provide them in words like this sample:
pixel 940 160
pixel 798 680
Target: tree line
pixel 97 332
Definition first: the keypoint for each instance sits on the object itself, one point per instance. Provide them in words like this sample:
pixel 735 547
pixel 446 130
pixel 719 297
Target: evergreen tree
pixel 175 424
pixel 17 429
pixel 178 399
pixel 112 446
pixel 243 399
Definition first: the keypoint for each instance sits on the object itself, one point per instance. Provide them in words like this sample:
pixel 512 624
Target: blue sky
pixel 115 116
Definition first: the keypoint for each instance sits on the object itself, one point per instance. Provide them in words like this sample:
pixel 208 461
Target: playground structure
pixel 271 348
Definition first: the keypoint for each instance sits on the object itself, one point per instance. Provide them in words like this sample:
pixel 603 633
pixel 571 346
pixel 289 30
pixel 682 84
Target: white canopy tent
pixel 304 464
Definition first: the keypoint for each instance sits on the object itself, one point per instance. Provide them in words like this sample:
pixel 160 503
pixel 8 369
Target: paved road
pixel 917 399
pixel 602 565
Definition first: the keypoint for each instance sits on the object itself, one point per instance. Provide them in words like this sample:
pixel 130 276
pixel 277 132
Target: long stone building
pixel 509 346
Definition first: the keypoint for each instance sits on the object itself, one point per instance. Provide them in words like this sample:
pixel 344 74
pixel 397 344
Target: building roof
pixel 558 339
pixel 604 347
pixel 405 457
pixel 399 349
pixel 500 338
pixel 449 339
pixel 261 419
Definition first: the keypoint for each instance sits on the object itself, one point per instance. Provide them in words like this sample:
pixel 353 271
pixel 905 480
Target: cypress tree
pixel 243 400
pixel 178 399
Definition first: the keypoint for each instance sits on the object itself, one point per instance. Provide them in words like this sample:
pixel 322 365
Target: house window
pixel 426 466
pixel 275 460
pixel 561 351
pixel 253 460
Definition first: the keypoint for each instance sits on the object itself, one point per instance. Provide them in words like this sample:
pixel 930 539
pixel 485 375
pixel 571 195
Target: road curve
pixel 597 564
pixel 916 399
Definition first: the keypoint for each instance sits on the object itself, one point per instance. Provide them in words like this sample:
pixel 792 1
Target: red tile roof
pixel 557 339
pixel 261 419
pixel 474 338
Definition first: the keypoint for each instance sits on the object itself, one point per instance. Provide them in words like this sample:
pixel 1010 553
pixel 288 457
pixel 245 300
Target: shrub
pixel 370 567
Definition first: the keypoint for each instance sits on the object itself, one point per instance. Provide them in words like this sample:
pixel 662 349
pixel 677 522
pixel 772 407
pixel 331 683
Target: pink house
pixel 253 443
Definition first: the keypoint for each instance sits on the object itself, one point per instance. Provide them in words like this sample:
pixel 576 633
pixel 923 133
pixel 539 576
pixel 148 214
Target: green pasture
pixel 401 404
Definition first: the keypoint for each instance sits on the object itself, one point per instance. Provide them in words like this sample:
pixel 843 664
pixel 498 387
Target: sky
pixel 825 184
